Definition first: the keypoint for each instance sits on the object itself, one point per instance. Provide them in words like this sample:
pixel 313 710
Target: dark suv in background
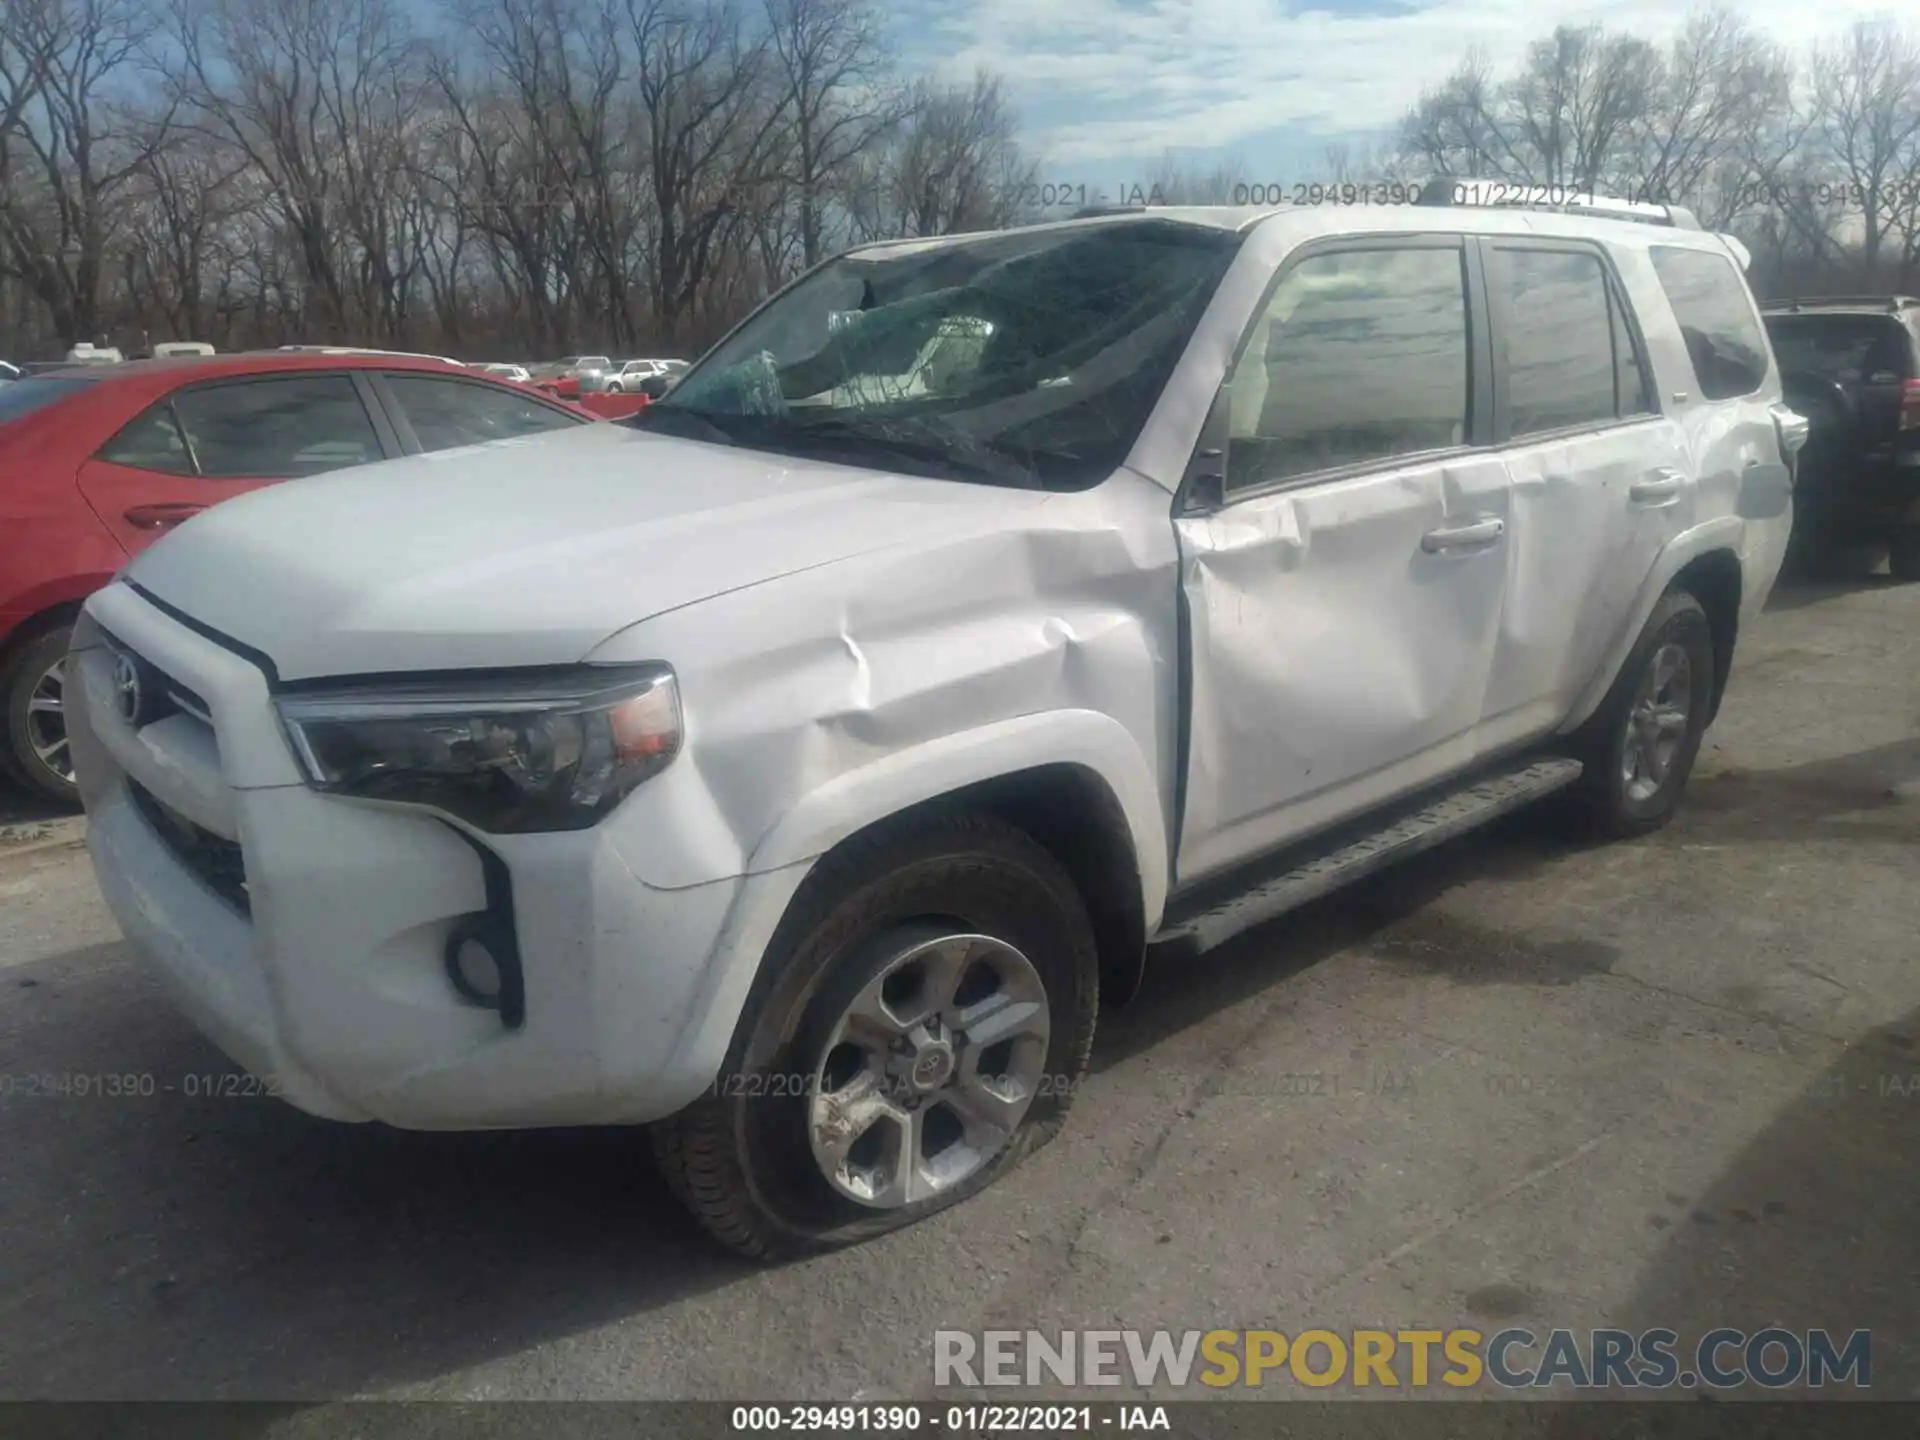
pixel 1851 365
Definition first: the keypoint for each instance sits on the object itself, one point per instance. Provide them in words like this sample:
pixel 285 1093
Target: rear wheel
pixel 1641 743
pixel 918 1028
pixel 33 689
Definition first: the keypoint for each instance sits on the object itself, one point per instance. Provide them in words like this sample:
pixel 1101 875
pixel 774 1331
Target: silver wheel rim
pixel 47 722
pixel 1657 723
pixel 929 1070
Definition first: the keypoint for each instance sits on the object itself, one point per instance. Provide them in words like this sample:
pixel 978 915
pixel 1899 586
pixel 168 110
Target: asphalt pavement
pixel 1673 1083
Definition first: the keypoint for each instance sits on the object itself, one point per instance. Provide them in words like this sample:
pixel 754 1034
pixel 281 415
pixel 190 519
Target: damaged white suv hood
pixel 528 552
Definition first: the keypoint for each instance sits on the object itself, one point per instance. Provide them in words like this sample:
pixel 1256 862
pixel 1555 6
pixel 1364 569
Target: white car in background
pixel 518 373
pixel 628 376
pixel 798 765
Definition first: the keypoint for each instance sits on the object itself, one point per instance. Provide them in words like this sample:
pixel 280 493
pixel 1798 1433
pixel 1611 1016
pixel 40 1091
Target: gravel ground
pixel 1661 1083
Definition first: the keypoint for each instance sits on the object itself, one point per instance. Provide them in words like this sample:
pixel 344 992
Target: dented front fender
pixel 820 702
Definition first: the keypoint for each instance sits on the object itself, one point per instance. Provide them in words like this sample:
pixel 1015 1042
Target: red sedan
pixel 96 463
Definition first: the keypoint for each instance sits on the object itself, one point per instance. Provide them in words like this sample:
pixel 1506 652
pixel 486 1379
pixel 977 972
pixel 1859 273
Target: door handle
pixel 1660 485
pixel 1480 532
pixel 162 516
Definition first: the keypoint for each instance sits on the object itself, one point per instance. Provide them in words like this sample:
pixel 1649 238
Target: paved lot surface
pixel 1664 1083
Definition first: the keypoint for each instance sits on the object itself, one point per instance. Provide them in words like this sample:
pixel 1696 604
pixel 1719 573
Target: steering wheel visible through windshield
pixel 1024 358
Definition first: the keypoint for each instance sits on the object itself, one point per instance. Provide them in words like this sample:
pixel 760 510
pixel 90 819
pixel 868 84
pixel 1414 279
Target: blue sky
pixel 1106 87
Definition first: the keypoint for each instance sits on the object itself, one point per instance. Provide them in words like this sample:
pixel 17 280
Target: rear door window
pixel 1724 338
pixel 282 428
pixel 1633 383
pixel 1558 335
pixel 448 413
pixel 1571 360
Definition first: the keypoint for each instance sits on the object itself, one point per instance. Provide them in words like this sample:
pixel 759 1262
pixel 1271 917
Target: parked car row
pixel 798 767
pixel 100 462
pixel 574 375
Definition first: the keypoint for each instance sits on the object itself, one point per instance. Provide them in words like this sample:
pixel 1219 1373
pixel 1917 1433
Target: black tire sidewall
pixel 995 887
pixel 1678 619
pixel 18 676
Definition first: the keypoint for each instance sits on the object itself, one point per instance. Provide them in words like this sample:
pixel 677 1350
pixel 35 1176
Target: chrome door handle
pixel 1480 532
pixel 1661 485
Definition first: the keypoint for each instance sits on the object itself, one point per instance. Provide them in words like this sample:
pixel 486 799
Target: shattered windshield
pixel 1028 359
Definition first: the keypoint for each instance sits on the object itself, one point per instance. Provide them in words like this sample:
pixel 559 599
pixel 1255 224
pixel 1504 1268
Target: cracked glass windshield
pixel 1027 359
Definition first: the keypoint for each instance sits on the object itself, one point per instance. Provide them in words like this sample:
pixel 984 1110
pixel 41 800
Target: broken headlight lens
pixel 505 753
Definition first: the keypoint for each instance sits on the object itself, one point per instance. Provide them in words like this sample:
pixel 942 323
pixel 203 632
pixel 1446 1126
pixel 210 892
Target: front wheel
pixel 919 1026
pixel 1641 743
pixel 33 692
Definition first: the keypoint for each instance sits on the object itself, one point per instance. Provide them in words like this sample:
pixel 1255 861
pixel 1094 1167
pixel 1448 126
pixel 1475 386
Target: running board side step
pixel 1210 918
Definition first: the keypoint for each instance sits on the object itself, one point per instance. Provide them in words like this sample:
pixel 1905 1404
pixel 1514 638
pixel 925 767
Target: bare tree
pixel 954 164
pixel 184 196
pixel 1180 182
pixel 1719 87
pixel 1866 128
pixel 831 65
pixel 315 94
pixel 1454 129
pixel 513 176
pixel 73 133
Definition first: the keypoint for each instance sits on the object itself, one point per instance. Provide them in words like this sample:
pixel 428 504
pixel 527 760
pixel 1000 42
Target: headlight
pixel 505 753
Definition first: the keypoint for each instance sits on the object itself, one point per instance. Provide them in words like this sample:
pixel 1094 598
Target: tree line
pixel 524 178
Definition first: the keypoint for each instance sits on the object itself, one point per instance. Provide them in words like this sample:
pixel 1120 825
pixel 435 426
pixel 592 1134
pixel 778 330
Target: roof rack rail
pixel 1892 304
pixel 1094 212
pixel 1560 199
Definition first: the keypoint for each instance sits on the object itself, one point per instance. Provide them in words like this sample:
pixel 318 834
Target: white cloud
pixel 1206 74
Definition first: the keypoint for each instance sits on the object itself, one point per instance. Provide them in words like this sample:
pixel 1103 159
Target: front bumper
pixel 324 971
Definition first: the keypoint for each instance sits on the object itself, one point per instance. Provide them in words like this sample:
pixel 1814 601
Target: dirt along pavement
pixel 1515 1082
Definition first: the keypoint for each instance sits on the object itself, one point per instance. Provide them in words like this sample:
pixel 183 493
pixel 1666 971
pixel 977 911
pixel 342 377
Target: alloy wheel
pixel 1657 723
pixel 929 1070
pixel 47 722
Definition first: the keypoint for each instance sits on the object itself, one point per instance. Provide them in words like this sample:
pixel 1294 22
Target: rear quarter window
pixel 1724 339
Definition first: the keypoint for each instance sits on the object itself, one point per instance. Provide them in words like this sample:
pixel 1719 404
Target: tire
pixel 1608 802
pixel 746 1157
pixel 1903 555
pixel 24 678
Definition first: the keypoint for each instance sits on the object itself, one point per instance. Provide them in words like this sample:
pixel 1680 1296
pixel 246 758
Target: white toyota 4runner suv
pixel 796 767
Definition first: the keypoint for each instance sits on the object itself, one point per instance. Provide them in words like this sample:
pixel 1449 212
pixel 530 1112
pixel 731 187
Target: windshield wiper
pixel 920 439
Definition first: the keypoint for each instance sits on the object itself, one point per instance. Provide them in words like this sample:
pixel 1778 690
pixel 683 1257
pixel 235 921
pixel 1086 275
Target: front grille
pixel 214 858
pixel 163 695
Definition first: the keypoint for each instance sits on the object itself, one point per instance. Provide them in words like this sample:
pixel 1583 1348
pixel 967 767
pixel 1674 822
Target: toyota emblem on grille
pixel 126 689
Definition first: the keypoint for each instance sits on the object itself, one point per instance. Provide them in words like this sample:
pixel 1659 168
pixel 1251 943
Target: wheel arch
pixel 1074 815
pixel 1705 562
pixel 1075 781
pixel 31 627
pixel 1714 579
